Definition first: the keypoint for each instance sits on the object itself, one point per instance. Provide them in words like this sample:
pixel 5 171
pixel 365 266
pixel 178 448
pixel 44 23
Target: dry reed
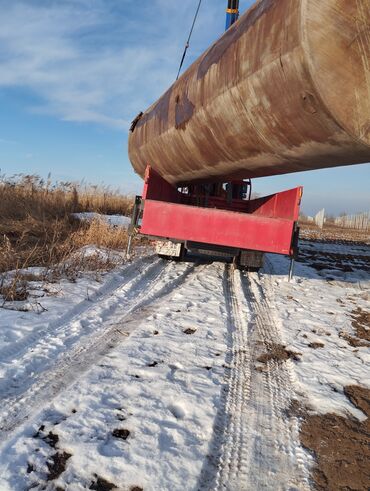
pixel 36 226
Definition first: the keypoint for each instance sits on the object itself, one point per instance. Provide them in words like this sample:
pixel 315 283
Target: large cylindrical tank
pixel 286 89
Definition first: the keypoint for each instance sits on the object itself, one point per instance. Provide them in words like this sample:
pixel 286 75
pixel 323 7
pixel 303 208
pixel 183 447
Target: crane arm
pixel 232 13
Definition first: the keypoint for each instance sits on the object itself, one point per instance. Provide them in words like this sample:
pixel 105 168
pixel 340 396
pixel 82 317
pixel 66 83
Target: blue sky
pixel 74 73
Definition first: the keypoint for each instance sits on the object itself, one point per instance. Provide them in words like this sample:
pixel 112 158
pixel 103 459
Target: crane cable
pixel 187 45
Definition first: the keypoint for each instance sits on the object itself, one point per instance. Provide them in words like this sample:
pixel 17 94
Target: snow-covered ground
pixel 152 376
pixel 317 309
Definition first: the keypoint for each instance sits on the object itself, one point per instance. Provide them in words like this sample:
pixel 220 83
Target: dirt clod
pixel 101 484
pixel 316 345
pixel 136 488
pixel 189 330
pixel 121 433
pixel 39 431
pixel 341 446
pixel 57 465
pixel 51 439
pixel 279 353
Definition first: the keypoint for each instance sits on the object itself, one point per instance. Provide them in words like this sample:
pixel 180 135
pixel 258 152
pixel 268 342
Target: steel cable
pixel 187 45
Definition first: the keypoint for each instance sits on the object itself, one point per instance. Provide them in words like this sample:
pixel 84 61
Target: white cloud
pixel 92 60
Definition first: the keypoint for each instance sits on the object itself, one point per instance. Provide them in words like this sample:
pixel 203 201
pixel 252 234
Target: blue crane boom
pixel 232 13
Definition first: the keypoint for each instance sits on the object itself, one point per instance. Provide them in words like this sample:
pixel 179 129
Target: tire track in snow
pixel 153 287
pixel 256 444
pixel 19 369
pixel 127 274
pixel 234 455
pixel 283 461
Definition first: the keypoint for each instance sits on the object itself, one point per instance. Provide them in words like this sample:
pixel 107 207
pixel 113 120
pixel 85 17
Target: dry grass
pixel 100 234
pixel 15 290
pixel 24 195
pixel 36 227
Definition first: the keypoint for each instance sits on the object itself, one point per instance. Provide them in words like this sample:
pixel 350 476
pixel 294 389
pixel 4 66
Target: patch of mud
pixel 340 445
pixel 39 432
pixel 316 345
pixel 279 353
pixel 57 465
pixel 57 462
pixel 121 433
pixel 295 409
pixel 346 263
pixel 352 341
pixel 361 326
pixel 51 439
pixel 101 484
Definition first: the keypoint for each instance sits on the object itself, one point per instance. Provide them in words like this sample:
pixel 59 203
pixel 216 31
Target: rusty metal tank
pixel 286 89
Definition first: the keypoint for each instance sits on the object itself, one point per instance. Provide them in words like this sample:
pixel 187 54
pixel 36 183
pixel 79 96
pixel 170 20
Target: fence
pixel 319 218
pixel 358 222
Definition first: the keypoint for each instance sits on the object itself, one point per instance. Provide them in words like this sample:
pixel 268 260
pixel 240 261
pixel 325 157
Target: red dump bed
pixel 264 224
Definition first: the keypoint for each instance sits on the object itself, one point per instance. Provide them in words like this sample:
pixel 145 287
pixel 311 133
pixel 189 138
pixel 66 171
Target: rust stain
pixel 218 50
pixel 309 103
pixel 159 110
pixel 183 111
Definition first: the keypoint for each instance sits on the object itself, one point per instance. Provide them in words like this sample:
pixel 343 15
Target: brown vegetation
pixel 37 227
